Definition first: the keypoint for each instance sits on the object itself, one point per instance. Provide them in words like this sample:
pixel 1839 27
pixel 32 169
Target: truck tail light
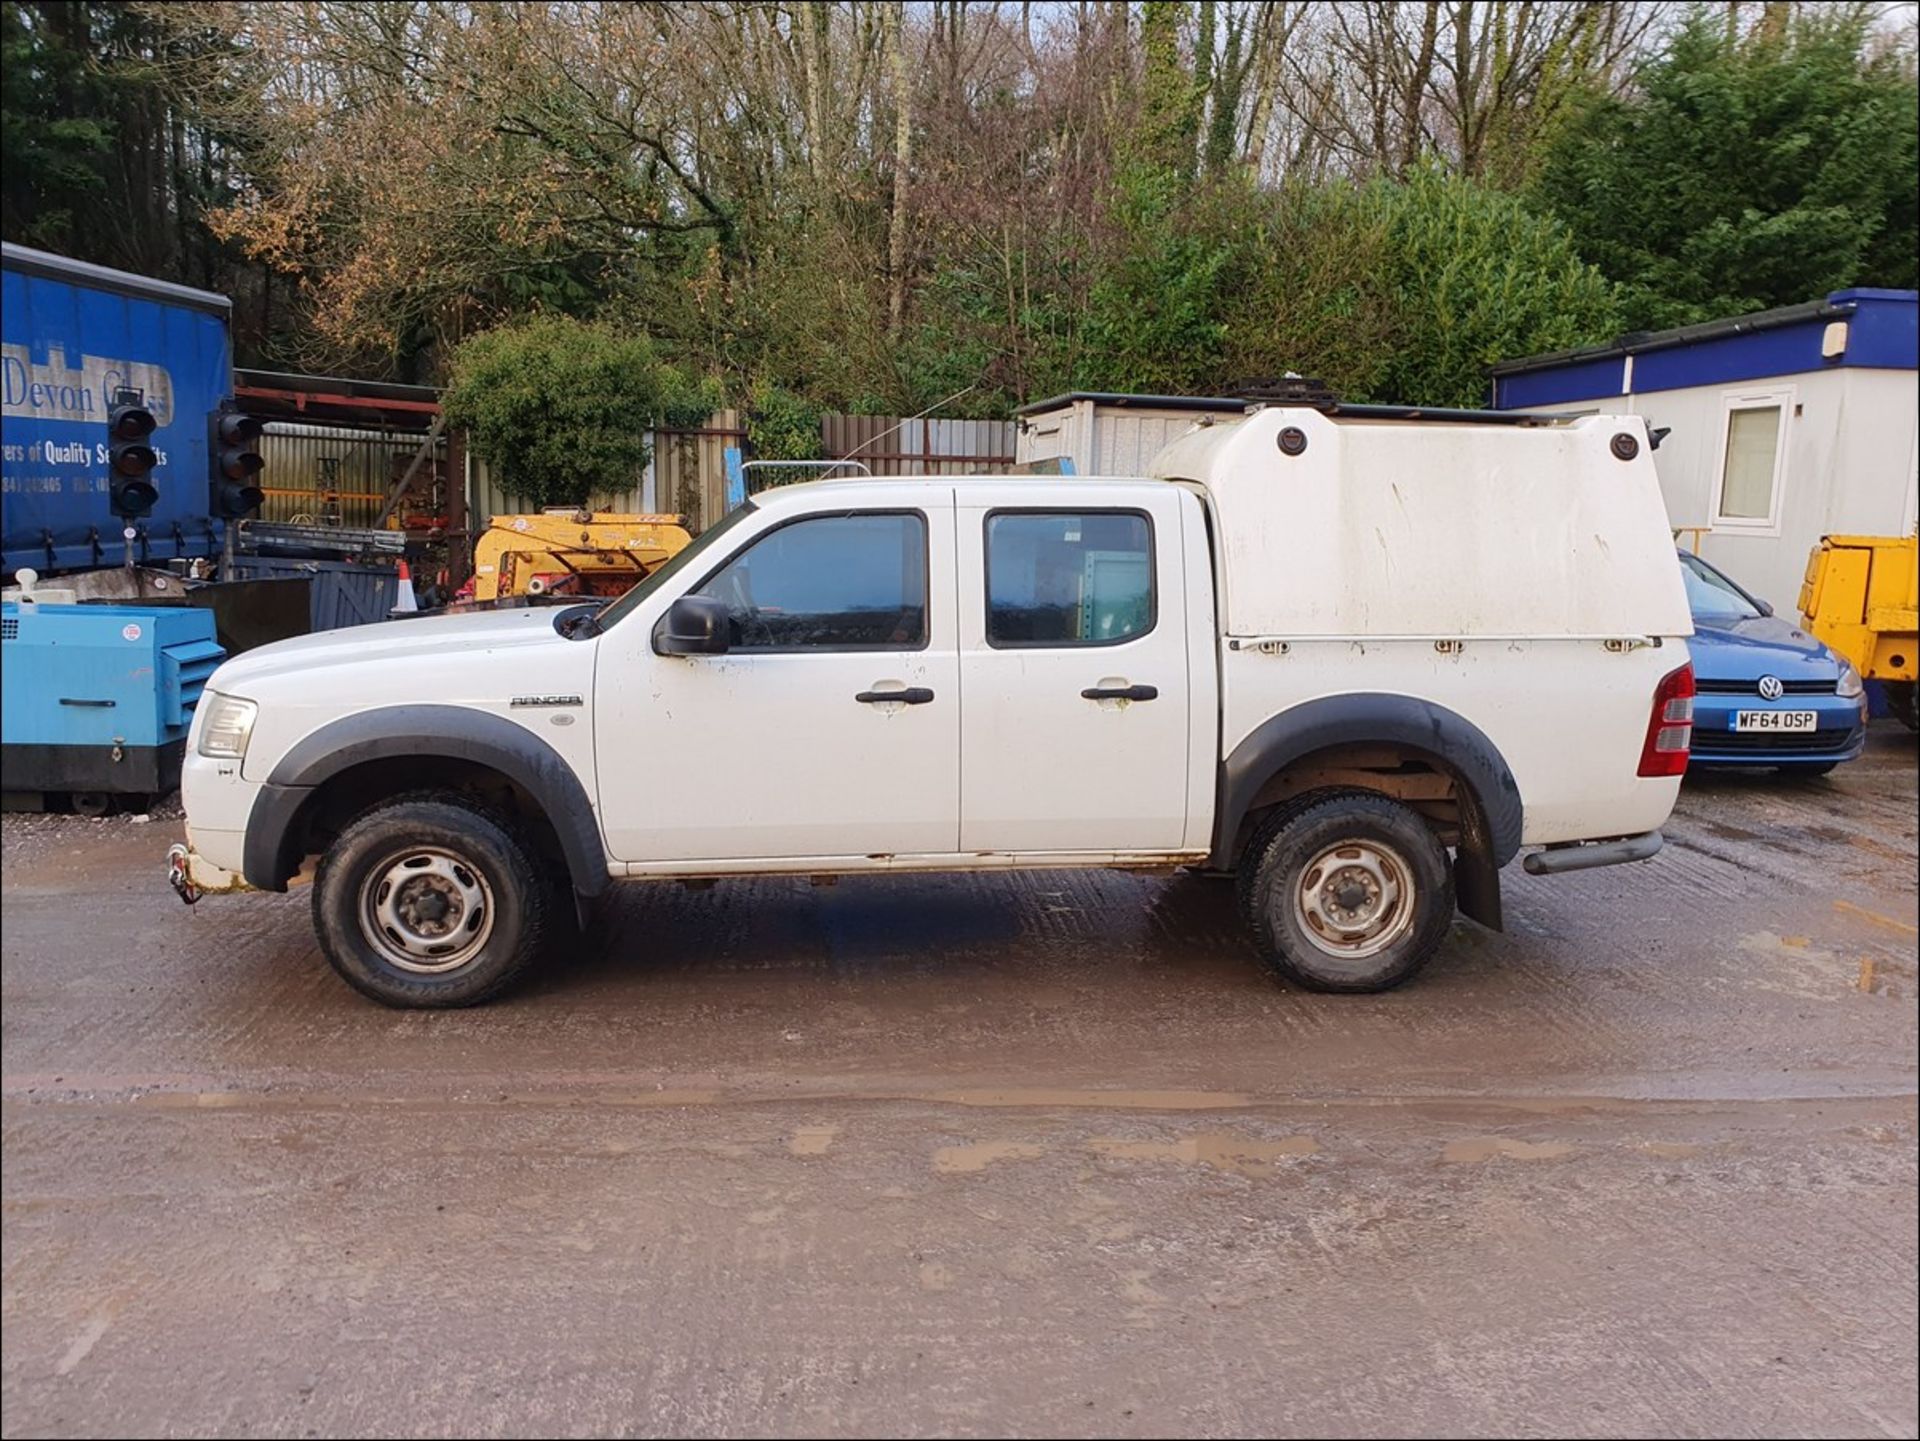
pixel 1670 726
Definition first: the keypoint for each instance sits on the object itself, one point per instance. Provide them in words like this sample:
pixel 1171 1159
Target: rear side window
pixel 1057 578
pixel 836 582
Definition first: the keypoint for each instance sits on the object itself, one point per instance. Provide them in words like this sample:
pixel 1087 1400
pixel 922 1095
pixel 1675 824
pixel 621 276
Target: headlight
pixel 228 724
pixel 1850 683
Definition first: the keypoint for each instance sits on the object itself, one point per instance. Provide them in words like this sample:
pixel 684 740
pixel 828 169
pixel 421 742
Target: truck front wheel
pixel 430 902
pixel 1347 891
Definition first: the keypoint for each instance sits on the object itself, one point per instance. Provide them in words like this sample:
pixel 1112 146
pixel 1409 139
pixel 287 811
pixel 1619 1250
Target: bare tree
pixel 803 189
pixel 1380 83
pixel 902 169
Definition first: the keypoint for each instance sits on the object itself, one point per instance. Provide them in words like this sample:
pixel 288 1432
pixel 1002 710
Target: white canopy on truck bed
pixel 1403 527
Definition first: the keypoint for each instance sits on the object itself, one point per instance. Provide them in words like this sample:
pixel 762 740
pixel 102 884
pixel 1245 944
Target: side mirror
pixel 693 625
pixel 1765 607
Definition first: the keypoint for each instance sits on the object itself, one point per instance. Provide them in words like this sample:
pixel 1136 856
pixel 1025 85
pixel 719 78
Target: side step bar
pixel 1581 856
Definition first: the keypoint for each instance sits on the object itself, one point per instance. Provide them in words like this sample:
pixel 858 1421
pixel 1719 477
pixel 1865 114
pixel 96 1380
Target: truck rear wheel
pixel 430 902
pixel 1903 702
pixel 1347 891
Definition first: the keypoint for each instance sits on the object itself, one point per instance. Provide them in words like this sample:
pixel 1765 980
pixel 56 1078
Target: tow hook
pixel 177 875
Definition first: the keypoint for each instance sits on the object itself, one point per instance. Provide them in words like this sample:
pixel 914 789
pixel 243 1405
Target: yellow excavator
pixel 570 551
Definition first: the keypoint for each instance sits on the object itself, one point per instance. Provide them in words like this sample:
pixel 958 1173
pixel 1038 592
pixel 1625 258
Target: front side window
pixel 834 582
pixel 1747 476
pixel 1068 579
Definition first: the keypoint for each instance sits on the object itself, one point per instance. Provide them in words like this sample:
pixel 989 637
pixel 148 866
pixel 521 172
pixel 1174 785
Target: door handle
pixel 1121 692
pixel 912 695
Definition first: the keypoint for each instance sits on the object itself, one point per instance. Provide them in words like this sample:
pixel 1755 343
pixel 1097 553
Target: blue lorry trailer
pixel 76 339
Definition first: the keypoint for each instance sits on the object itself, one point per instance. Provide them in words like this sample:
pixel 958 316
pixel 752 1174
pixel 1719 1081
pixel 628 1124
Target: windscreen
pixel 1710 595
pixel 619 609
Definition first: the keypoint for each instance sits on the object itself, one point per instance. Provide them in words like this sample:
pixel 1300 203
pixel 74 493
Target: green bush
pixel 782 425
pixel 1394 291
pixel 563 410
pixel 1475 278
pixel 1158 313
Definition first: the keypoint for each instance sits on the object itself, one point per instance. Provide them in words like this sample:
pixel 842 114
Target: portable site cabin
pixel 1104 433
pixel 1784 426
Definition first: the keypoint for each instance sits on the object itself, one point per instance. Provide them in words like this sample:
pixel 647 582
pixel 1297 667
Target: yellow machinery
pixel 572 552
pixel 1860 597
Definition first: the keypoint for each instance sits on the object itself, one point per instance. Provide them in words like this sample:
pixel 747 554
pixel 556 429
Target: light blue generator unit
pixel 95 700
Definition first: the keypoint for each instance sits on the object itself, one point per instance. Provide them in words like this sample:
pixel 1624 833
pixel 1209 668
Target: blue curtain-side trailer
pixel 74 338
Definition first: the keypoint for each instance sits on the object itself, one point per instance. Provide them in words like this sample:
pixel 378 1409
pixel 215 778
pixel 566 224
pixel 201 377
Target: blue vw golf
pixel 1769 694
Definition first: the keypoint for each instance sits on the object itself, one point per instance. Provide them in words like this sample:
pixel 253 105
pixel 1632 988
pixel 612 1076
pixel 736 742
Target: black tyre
pixel 1903 701
pixel 1347 891
pixel 430 901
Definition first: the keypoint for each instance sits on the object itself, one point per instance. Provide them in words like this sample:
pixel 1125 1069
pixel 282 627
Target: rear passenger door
pixel 1073 672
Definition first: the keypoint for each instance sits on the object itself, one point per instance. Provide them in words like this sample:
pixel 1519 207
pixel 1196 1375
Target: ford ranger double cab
pixel 1359 659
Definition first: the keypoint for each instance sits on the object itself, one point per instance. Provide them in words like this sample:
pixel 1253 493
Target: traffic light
pixel 232 447
pixel 130 460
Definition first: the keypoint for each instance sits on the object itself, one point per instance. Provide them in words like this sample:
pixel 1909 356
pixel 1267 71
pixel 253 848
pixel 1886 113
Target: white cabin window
pixel 1752 446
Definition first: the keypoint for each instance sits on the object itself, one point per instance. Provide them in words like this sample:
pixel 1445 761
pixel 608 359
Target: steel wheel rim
pixel 1355 899
pixel 426 909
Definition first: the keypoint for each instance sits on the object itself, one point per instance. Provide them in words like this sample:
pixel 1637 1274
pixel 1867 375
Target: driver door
pixel 788 746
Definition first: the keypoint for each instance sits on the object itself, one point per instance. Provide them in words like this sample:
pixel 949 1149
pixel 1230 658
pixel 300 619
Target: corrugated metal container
pixel 344 593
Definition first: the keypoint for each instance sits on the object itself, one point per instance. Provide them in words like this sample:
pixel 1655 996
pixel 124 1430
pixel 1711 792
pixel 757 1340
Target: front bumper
pixel 192 875
pixel 1840 731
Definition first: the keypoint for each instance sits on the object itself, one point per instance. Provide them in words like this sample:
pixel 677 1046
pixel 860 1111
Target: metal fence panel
pixel 686 476
pixel 689 468
pixel 324 474
pixel 895 445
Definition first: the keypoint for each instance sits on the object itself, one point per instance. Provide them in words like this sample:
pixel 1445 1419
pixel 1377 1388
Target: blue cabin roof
pixel 1883 332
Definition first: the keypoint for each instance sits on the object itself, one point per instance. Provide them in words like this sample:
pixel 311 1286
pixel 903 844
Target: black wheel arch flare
pixel 451 732
pixel 1489 841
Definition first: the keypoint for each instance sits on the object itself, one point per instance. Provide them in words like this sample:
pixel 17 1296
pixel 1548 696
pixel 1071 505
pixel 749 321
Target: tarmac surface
pixel 1043 1153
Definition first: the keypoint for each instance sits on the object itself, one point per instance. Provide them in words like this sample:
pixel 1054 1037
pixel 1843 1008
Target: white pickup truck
pixel 1359 657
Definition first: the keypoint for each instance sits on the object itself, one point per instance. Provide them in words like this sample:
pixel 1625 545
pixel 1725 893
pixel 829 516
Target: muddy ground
pixel 1040 1153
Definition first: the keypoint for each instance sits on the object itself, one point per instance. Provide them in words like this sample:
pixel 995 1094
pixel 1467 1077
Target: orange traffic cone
pixel 407 601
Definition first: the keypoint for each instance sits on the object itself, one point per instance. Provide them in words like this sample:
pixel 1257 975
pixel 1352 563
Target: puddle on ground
pixel 1485 1148
pixel 982 1154
pixel 1223 1151
pixel 812 1140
